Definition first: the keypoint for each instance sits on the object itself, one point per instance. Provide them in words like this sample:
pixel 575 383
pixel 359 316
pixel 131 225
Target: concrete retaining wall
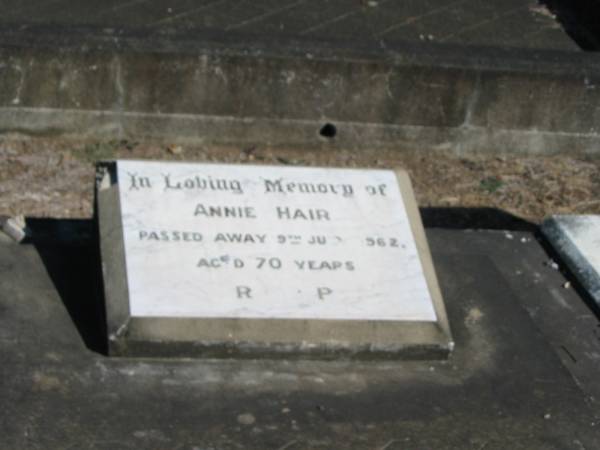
pixel 421 96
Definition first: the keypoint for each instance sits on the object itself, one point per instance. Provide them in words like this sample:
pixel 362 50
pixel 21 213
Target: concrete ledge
pixel 228 92
pixel 290 133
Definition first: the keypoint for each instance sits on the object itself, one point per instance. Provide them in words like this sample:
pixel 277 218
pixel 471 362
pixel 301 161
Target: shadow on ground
pixel 474 218
pixel 69 251
pixel 580 19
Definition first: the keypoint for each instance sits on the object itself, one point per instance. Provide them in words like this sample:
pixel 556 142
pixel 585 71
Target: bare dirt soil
pixel 53 177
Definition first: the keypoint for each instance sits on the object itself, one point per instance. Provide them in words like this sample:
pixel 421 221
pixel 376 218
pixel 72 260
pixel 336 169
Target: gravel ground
pixel 53 177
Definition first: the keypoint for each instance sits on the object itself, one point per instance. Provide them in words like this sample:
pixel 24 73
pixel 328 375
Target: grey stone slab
pixel 577 240
pixel 281 93
pixel 371 292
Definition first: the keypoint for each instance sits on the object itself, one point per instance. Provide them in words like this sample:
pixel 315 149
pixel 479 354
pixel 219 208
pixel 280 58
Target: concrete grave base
pixel 521 341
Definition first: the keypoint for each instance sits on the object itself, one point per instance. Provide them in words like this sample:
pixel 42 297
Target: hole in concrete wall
pixel 328 131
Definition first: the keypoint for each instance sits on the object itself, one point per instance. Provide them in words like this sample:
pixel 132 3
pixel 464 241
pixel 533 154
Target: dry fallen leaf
pixel 175 149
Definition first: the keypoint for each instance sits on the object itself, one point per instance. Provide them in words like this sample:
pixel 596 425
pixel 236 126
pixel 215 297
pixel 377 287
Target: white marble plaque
pixel 576 239
pixel 584 233
pixel 230 241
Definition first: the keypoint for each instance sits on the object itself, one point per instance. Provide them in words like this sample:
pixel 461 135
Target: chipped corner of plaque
pixel 106 174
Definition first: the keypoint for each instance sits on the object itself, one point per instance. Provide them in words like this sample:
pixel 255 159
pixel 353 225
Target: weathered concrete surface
pixel 521 341
pixel 503 23
pixel 200 76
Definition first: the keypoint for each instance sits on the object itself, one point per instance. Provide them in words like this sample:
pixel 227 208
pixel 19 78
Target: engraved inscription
pixel 208 240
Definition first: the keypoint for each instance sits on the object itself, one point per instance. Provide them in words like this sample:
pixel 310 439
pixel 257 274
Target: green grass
pixel 491 184
pixel 97 151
